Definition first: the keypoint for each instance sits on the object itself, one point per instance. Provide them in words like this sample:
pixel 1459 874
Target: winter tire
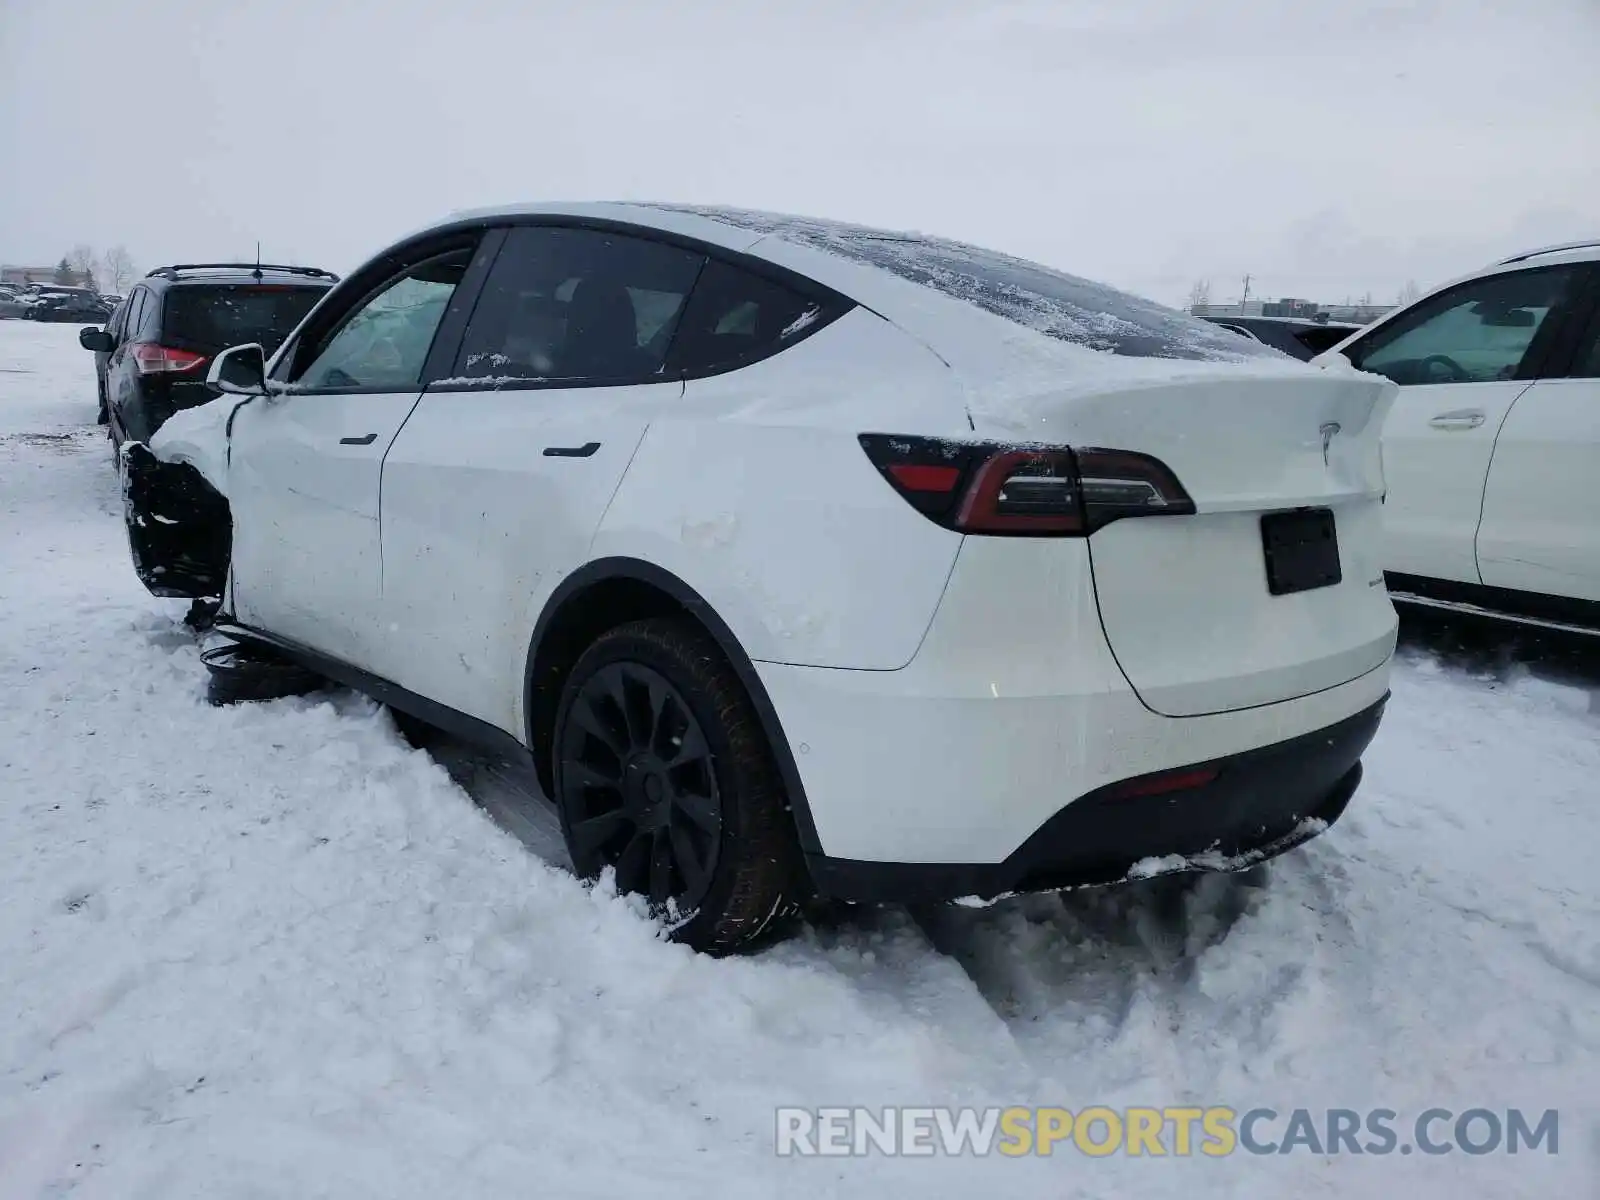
pixel 662 773
pixel 244 672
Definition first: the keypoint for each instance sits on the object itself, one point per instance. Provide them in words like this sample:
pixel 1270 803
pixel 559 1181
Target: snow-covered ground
pixel 274 951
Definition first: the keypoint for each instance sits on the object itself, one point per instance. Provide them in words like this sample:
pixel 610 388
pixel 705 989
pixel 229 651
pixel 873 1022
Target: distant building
pixel 42 275
pixel 1358 314
pixel 1250 308
pixel 1291 306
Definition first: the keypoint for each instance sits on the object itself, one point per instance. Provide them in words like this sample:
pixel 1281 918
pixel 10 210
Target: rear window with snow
pixel 1042 299
pixel 221 315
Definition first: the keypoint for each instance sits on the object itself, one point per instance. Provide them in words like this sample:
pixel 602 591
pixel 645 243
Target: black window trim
pixel 137 300
pixel 436 375
pixel 1534 359
pixel 1581 330
pixel 347 297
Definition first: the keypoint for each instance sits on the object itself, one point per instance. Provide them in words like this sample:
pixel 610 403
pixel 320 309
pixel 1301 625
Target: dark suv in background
pixel 1299 337
pixel 152 356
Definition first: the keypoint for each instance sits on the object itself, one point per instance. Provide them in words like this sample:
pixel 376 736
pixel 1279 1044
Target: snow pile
pixel 273 951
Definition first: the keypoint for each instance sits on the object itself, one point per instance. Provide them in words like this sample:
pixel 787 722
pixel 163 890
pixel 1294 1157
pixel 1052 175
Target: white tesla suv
pixel 806 558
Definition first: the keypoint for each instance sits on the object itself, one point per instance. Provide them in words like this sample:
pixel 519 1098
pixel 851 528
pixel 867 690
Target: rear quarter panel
pixel 759 497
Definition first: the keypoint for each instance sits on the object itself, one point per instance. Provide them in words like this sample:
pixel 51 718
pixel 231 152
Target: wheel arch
pixel 607 592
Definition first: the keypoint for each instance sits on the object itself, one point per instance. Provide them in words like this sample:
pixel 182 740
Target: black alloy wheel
pixel 662 772
pixel 638 776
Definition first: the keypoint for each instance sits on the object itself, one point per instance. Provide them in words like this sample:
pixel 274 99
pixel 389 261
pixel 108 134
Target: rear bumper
pixel 1012 708
pixel 1259 804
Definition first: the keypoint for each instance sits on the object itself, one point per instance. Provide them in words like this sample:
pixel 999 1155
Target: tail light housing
pixel 150 358
pixel 1021 490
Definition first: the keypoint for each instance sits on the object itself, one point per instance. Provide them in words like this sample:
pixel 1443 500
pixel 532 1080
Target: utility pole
pixel 1245 297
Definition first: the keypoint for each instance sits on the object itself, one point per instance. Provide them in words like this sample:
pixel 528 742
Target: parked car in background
pixel 14 301
pixel 1299 337
pixel 151 359
pixel 729 519
pixel 64 304
pixel 27 297
pixel 111 298
pixel 1492 451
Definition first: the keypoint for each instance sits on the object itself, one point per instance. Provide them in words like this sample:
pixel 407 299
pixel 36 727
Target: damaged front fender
pixel 180 529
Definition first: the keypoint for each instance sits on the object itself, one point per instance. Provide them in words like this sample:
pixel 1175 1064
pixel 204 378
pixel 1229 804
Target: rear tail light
pixel 979 487
pixel 150 358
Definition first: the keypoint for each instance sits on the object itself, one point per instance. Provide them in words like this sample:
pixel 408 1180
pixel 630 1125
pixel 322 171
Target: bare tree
pixel 117 268
pixel 1200 294
pixel 81 260
pixel 1410 293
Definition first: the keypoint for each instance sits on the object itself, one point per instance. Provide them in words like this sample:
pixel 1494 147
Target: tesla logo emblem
pixel 1328 431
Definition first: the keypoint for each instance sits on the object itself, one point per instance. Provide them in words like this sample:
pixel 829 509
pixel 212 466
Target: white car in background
pixel 803 557
pixel 1492 451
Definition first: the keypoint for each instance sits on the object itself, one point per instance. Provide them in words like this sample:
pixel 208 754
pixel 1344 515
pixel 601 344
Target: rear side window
pixel 217 316
pixel 736 316
pixel 577 305
pixel 138 303
pixel 1318 340
pixel 1587 363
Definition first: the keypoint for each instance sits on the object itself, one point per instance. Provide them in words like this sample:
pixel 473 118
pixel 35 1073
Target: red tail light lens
pixel 150 358
pixel 1165 782
pixel 979 487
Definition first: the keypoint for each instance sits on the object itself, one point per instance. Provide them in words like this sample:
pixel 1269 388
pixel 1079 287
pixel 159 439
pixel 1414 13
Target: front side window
pixel 736 316
pixel 577 304
pixel 1476 333
pixel 385 342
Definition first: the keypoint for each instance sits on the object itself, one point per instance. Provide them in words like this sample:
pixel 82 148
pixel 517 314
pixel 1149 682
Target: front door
pixel 494 489
pixel 306 463
pixel 1461 358
pixel 1541 510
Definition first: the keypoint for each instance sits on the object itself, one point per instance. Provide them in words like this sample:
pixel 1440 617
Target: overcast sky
pixel 1327 147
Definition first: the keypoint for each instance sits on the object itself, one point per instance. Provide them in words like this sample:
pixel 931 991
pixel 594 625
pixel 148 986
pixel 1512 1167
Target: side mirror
pixel 1332 358
pixel 240 370
pixel 97 340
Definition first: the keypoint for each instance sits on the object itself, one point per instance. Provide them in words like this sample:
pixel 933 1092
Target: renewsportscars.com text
pixel 1178 1132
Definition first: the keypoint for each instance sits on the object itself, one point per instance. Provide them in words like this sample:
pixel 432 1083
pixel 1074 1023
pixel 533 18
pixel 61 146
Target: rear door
pixel 494 489
pixel 122 373
pixel 114 327
pixel 1461 358
pixel 305 464
pixel 1541 509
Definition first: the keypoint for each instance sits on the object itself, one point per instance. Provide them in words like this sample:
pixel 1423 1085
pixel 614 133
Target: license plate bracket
pixel 1301 550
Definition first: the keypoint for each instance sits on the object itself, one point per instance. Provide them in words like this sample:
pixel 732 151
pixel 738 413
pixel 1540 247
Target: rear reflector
pixel 980 487
pixel 1167 781
pixel 150 358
